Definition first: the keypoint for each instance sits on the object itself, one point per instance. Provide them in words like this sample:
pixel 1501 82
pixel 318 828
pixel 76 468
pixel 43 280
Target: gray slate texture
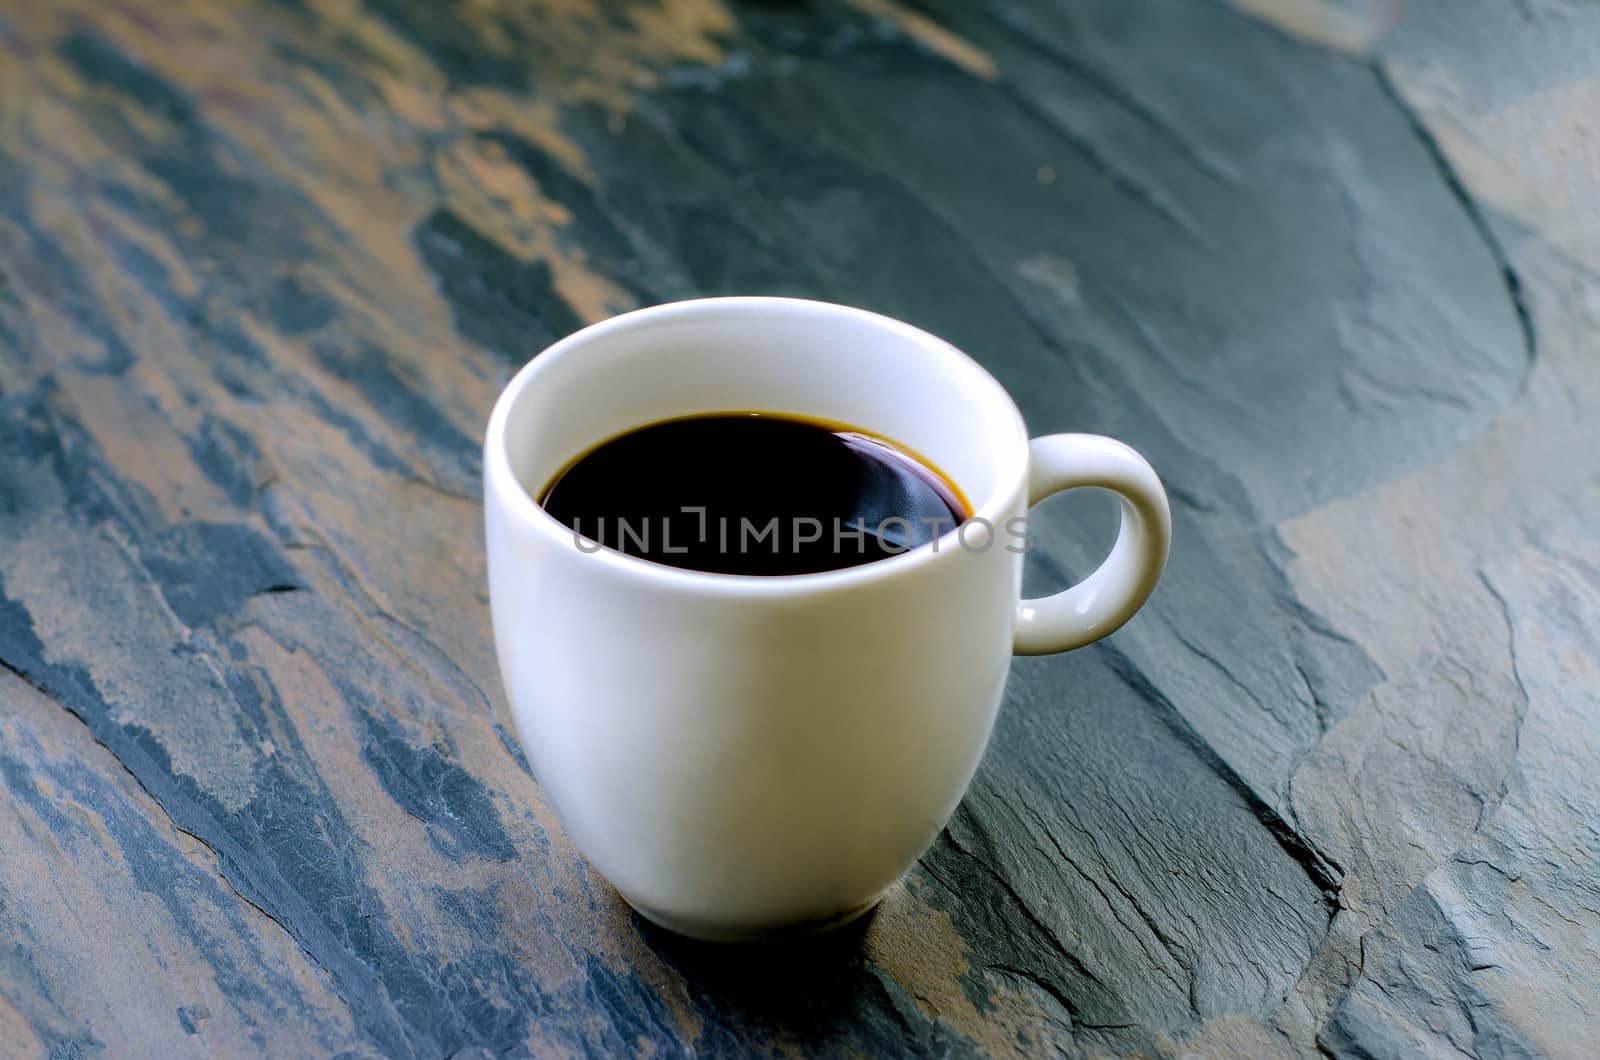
pixel 264 267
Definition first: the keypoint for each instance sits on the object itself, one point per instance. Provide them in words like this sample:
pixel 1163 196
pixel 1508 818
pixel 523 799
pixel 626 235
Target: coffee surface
pixel 759 494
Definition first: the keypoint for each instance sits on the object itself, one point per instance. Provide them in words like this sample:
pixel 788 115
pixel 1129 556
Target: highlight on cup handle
pixel 1106 599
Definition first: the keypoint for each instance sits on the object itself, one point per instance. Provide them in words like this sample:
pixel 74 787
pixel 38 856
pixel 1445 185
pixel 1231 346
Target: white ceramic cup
pixel 743 756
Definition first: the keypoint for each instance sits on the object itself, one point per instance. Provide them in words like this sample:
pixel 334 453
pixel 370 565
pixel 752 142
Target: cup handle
pixel 1106 599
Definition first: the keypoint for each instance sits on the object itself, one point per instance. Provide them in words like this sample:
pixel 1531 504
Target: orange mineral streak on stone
pixel 934 37
pixel 367 170
pixel 498 197
pixel 555 908
pixel 600 56
pixel 918 946
pixel 537 120
pixel 66 875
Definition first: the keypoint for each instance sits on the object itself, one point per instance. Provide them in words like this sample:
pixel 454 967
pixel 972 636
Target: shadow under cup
pixel 748 756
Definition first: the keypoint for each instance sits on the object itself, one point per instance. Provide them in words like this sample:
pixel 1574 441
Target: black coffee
pixel 753 493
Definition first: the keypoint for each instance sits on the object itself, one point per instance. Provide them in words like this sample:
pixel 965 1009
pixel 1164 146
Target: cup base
pixel 711 932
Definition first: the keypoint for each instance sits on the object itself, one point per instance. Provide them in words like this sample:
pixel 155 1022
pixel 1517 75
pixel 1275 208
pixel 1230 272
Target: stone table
pixel 264 266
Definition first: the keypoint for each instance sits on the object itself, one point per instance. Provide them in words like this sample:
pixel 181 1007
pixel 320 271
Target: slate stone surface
pixel 263 268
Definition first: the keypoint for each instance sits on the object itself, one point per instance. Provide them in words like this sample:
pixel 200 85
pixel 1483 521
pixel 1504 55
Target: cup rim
pixel 502 487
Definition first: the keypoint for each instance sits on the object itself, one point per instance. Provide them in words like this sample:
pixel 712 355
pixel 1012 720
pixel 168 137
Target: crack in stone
pixel 1485 810
pixel 1103 164
pixel 1519 709
pixel 1173 948
pixel 1044 931
pixel 51 697
pixel 1057 995
pixel 1457 188
pixel 1319 867
pixel 1119 94
pixel 1469 204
